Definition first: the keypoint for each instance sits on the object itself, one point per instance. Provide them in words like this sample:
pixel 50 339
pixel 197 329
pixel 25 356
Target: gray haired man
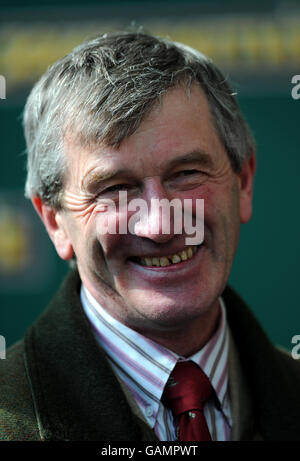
pixel 129 114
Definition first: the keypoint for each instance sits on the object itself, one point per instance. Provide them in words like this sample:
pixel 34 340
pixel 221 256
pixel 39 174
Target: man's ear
pixel 246 179
pixel 56 228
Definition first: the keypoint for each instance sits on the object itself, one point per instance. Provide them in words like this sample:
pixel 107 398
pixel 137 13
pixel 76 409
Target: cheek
pixel 219 201
pixel 108 230
pixel 210 200
pixel 88 234
pixel 221 217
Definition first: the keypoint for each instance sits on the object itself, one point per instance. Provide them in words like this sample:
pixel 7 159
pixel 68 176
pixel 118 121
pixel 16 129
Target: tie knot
pixel 188 388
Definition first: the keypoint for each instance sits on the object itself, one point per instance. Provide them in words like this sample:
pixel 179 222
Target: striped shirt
pixel 145 366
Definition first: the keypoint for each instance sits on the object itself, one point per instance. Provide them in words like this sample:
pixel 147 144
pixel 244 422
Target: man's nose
pixel 157 223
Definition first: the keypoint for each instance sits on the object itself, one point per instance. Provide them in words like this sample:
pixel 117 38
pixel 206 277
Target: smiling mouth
pixel 164 261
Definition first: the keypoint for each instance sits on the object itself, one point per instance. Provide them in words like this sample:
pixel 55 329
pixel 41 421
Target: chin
pixel 169 311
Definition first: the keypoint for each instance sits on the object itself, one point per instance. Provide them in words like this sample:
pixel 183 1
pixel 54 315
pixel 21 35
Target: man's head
pixel 156 119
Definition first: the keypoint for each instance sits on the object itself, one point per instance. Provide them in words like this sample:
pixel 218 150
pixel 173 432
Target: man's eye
pixel 187 178
pixel 187 172
pixel 116 188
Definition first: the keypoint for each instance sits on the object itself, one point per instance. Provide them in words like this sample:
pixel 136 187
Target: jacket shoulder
pixel 17 416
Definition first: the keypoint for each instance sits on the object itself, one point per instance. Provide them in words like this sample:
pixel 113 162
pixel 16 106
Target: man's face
pixel 175 153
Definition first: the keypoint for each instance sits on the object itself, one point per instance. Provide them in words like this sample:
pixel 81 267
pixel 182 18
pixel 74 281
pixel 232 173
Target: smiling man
pixel 144 340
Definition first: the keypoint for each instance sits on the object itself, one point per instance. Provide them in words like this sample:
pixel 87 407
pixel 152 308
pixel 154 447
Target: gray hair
pixel 101 92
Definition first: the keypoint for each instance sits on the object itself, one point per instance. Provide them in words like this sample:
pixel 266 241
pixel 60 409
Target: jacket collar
pixel 77 396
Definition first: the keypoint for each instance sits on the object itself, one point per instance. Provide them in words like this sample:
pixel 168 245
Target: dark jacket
pixel 56 383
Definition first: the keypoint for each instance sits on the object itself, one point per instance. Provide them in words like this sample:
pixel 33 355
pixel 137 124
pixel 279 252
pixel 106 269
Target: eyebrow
pixel 94 178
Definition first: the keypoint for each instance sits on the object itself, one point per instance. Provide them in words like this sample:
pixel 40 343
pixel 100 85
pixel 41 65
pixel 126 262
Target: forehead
pixel 181 123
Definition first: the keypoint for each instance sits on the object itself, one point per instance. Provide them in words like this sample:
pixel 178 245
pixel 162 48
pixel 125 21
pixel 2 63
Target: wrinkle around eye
pixel 80 204
pixel 84 205
pixel 76 202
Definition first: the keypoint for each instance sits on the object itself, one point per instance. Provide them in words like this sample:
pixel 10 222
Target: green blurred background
pixel 257 44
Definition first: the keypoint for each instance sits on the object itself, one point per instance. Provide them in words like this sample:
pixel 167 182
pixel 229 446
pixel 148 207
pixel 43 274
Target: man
pixel 132 116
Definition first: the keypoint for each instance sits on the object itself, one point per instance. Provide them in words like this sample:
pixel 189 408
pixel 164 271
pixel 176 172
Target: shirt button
pixel 149 411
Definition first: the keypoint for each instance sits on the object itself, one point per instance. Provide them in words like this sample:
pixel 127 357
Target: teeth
pixel 176 258
pixel 183 255
pixel 147 261
pixel 155 262
pixel 164 261
pixel 190 252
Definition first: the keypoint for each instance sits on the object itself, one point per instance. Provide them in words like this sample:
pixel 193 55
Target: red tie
pixel 186 392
